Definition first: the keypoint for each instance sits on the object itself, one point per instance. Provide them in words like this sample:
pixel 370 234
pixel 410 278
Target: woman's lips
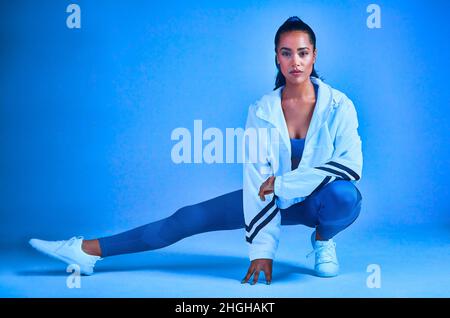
pixel 297 73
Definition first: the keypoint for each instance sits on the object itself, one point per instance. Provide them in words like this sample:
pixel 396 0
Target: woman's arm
pixel 261 217
pixel 345 164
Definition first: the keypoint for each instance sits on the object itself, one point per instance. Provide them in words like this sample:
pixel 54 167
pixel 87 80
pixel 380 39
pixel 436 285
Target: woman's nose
pixel 296 60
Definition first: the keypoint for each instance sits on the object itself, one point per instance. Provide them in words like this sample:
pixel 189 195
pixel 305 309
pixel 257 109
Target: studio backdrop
pixel 92 93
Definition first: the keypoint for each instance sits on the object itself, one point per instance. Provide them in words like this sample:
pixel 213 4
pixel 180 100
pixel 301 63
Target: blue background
pixel 86 115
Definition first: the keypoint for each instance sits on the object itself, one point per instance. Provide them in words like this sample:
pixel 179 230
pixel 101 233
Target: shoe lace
pixel 68 242
pixel 95 259
pixel 326 252
pixel 72 240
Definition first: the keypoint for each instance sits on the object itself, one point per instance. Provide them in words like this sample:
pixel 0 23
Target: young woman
pixel 308 177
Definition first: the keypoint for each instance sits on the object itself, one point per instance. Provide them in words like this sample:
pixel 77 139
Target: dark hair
pixel 292 24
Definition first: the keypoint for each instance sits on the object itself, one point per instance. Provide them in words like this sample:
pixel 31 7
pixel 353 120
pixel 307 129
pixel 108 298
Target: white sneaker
pixel 326 263
pixel 69 252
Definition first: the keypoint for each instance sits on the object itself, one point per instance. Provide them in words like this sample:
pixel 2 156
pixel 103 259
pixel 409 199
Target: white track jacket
pixel 332 152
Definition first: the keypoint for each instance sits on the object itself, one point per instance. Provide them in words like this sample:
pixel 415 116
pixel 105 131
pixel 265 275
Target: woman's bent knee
pixel 342 202
pixel 343 193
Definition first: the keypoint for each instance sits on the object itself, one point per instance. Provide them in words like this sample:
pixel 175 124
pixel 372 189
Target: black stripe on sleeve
pixel 341 174
pixel 261 225
pixel 350 171
pixel 323 183
pixel 260 215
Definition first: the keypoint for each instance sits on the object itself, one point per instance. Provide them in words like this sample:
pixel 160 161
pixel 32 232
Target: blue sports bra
pixel 297 146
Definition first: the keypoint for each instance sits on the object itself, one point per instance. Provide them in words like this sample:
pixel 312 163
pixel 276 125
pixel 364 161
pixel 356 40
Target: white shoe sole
pixel 326 275
pixel 64 259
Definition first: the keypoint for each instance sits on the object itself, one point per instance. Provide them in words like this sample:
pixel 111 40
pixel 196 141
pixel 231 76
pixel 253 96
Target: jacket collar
pixel 269 109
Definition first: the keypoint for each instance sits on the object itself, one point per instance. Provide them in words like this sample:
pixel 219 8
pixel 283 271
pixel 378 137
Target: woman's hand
pixel 256 266
pixel 266 188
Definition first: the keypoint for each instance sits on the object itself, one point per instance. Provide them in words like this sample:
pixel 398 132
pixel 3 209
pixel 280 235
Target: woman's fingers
pixel 256 276
pixel 261 193
pixel 268 275
pixel 250 271
pixel 256 267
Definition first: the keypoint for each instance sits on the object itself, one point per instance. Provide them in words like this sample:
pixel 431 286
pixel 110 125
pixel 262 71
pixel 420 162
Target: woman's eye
pixel 285 54
pixel 303 53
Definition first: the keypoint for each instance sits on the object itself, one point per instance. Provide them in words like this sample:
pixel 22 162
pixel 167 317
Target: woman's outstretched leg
pixel 224 212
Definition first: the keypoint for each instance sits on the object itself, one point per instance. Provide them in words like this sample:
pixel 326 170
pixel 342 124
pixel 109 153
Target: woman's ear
pixel 315 55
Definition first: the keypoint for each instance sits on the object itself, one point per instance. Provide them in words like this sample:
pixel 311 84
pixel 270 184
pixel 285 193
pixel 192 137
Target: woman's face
pixel 296 56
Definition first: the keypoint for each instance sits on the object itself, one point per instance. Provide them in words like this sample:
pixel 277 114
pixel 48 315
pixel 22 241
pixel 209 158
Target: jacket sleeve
pixel 345 163
pixel 262 220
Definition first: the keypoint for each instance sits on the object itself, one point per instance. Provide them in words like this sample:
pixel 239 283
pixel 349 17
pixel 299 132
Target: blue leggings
pixel 331 209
